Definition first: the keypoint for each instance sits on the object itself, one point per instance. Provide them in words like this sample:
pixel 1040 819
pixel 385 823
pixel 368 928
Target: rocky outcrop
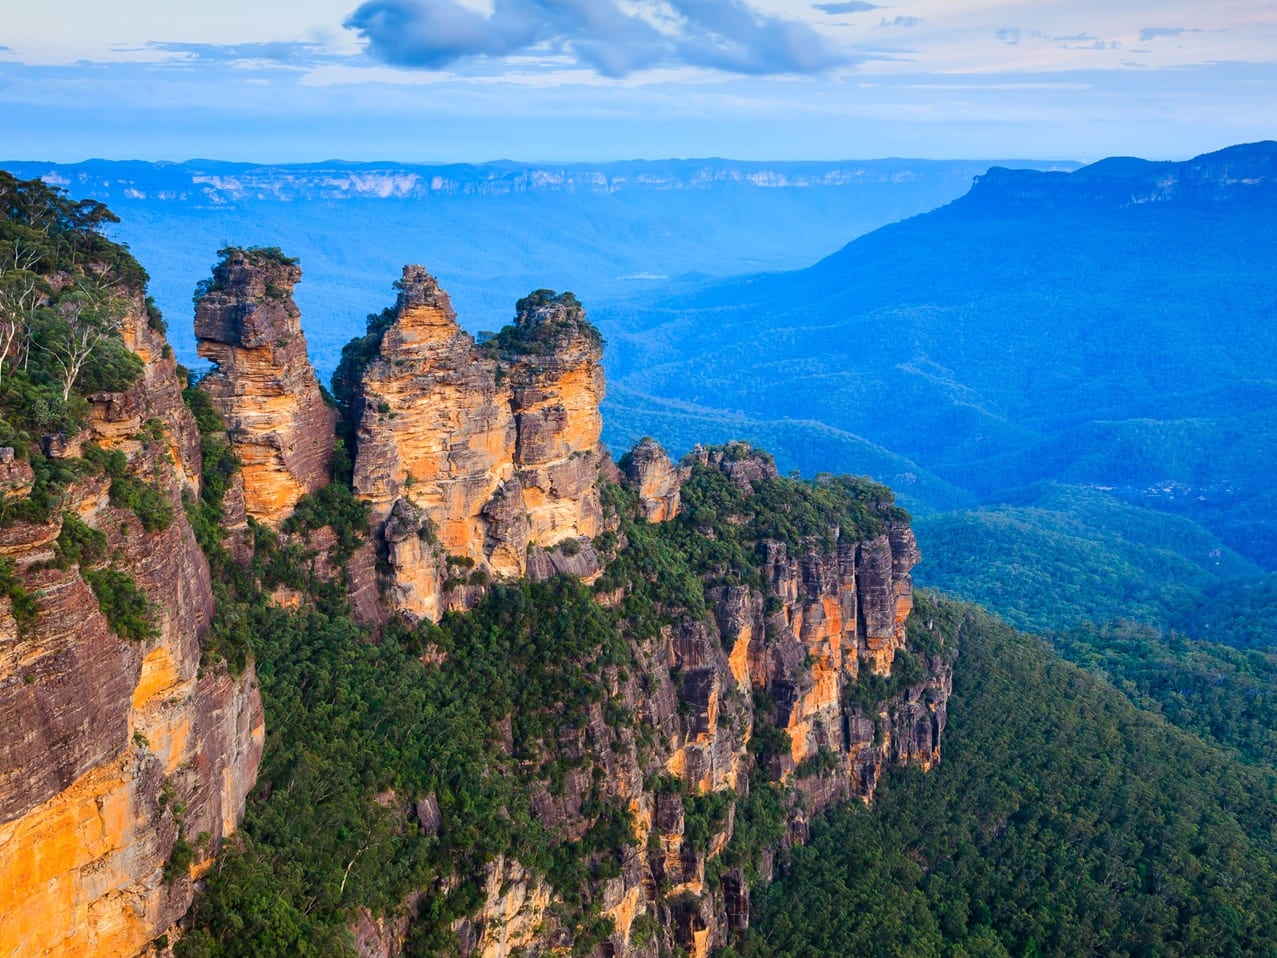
pixel 435 457
pixel 805 679
pixel 552 358
pixel 471 456
pixel 263 386
pixel 655 480
pixel 116 750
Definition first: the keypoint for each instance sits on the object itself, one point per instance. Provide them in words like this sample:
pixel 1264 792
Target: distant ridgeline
pixel 493 231
pixel 414 668
pixel 1087 354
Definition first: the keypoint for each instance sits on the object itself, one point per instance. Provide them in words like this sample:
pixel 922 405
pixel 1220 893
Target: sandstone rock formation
pixel 654 478
pixel 552 358
pixel 471 455
pixel 263 385
pixel 792 659
pixel 116 752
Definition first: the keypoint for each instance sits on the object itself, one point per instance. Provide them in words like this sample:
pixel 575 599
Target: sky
pixel 595 80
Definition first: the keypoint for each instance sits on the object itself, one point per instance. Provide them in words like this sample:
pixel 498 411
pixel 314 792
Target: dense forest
pixel 1051 556
pixel 1063 820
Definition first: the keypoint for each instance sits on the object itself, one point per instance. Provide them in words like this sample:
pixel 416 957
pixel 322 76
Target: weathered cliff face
pixel 114 749
pixel 469 456
pixel 655 480
pixel 801 686
pixel 263 386
pixel 552 359
pixel 436 451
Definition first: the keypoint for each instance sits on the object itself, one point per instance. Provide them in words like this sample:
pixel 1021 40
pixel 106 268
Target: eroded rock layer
pixel 471 456
pixel 116 750
pixel 263 386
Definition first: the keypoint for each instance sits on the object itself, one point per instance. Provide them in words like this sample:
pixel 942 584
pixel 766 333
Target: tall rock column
pixel 263 386
pixel 553 358
pixel 435 459
pixel 475 459
pixel 655 479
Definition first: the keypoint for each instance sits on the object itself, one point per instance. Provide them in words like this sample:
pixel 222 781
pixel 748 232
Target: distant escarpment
pixel 475 460
pixel 123 760
pixel 263 386
pixel 1243 174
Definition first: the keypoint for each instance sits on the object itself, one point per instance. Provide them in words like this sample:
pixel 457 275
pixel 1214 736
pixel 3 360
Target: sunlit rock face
pixel 552 358
pixel 113 749
pixel 263 386
pixel 471 455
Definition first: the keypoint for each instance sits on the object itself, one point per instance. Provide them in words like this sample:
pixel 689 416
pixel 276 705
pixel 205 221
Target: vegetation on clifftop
pixel 64 291
pixel 474 716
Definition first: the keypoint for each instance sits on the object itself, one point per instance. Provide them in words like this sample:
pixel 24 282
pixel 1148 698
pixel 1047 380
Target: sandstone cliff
pixel 654 479
pixel 263 386
pixel 470 456
pixel 119 756
pixel 793 691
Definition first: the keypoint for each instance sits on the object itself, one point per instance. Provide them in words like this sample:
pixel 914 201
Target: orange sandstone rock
pixel 263 386
pixel 99 728
pixel 474 456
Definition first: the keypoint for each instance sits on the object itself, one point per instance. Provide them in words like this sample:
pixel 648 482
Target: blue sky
pixel 559 80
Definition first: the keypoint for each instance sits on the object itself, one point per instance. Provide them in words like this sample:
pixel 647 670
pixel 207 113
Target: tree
pixel 21 291
pixel 84 318
pixel 22 288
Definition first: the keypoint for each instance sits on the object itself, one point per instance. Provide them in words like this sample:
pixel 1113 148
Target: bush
pixel 127 610
pixel 21 602
pixel 147 502
pixel 79 543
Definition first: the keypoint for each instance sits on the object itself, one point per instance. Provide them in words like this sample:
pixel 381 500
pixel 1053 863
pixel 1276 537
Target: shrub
pixel 127 610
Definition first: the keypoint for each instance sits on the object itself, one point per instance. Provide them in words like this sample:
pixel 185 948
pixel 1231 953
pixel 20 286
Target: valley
pixel 484 625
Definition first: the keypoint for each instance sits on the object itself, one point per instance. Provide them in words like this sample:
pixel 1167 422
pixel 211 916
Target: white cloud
pixel 975 79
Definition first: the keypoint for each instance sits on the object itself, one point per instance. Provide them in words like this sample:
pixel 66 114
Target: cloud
pixel 848 6
pixel 900 22
pixel 1153 33
pixel 1073 41
pixel 297 54
pixel 726 35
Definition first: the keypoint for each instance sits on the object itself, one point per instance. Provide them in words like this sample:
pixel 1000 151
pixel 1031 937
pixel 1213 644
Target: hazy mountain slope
pixel 493 231
pixel 1109 327
pixel 631 416
pixel 1059 554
